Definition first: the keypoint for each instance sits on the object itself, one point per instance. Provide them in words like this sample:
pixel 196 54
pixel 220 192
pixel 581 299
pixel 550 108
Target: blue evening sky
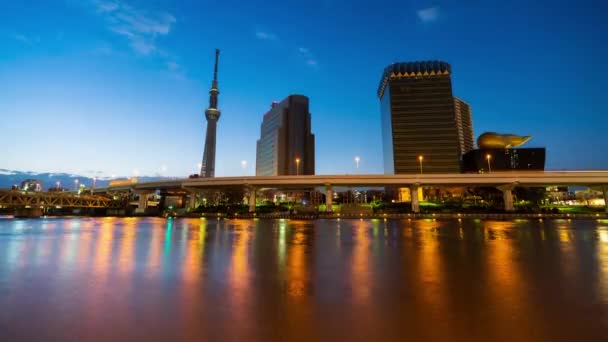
pixel 120 87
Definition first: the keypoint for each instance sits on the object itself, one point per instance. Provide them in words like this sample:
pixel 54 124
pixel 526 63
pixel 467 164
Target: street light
pixel 75 184
pixel 488 157
pixel 297 166
pixel 94 181
pixel 244 166
pixel 357 160
pixel 420 158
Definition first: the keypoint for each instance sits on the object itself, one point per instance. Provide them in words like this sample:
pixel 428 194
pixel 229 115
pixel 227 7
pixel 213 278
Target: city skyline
pixel 142 88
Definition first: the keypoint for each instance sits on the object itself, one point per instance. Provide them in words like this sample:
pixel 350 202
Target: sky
pixel 119 88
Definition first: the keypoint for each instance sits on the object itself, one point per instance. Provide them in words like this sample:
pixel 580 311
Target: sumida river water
pixel 122 279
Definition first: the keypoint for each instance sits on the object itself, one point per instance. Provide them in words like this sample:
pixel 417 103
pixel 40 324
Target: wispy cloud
pixel 265 35
pixel 428 15
pixel 308 56
pixel 138 26
pixel 26 40
pixel 173 66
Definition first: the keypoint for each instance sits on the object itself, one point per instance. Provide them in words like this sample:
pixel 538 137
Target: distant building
pixel 419 120
pixel 31 185
pixel 464 125
pixel 504 159
pixel 286 145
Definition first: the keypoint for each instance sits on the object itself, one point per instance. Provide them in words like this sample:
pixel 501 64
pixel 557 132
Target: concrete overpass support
pixel 329 196
pixel 192 200
pixel 414 197
pixel 142 203
pixel 605 191
pixel 507 196
pixel 251 200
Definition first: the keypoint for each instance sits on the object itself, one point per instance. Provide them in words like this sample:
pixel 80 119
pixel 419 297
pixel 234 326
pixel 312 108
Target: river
pixel 123 279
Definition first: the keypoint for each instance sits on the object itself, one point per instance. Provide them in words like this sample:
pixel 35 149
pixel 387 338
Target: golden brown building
pixel 419 128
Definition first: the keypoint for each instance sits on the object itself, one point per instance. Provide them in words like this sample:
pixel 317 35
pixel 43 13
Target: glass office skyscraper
pixel 286 145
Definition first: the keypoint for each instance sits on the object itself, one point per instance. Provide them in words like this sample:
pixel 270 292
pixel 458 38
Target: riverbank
pixel 444 216
pixel 335 216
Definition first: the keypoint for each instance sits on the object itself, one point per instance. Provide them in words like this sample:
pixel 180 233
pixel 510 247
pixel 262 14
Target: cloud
pixel 308 56
pixel 138 26
pixel 172 66
pixel 428 15
pixel 26 40
pixel 106 6
pixel 263 35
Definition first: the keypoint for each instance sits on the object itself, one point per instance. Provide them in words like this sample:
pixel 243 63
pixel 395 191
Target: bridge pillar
pixel 414 197
pixel 605 191
pixel 329 196
pixel 192 201
pixel 251 200
pixel 142 203
pixel 507 196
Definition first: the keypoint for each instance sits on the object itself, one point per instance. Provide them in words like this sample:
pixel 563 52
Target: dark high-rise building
pixel 286 145
pixel 418 119
pixel 212 114
pixel 504 159
pixel 464 125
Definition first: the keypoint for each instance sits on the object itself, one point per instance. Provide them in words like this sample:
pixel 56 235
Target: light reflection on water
pixel 126 278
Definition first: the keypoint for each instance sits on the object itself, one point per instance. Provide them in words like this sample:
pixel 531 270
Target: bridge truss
pixel 28 199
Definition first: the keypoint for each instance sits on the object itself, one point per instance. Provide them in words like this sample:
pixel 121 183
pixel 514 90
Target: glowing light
pixel 603 236
pixel 488 157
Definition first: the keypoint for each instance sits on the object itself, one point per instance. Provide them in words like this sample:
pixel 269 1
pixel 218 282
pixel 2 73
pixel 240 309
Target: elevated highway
pixel 505 181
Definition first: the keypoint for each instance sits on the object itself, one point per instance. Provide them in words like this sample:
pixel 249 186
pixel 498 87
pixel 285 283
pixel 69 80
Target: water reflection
pixel 602 259
pixel 360 268
pixel 217 279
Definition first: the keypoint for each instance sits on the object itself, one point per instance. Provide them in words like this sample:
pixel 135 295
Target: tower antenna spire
pixel 217 58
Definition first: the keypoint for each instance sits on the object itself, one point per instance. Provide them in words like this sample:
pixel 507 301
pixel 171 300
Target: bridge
pixel 31 203
pixel 504 181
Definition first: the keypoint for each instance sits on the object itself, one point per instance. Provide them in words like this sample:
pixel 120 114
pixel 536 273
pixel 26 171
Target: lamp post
pixel 244 166
pixel 297 166
pixel 420 158
pixel 94 181
pixel 488 158
pixel 357 160
pixel 75 184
